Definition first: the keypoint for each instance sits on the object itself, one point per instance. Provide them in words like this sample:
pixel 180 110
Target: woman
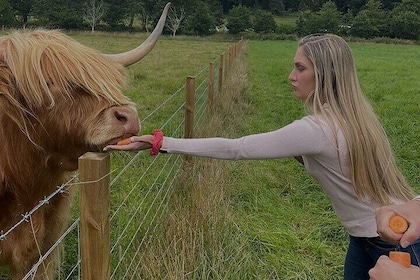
pixel 341 144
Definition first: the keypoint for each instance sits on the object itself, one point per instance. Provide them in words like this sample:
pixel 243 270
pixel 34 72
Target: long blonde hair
pixel 374 170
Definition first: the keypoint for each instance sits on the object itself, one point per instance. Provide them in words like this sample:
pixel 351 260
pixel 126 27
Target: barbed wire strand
pixel 26 216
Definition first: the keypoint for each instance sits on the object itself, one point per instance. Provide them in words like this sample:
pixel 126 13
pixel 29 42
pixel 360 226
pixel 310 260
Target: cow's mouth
pixel 114 141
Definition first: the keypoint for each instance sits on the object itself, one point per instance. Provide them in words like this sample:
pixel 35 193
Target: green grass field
pixel 261 219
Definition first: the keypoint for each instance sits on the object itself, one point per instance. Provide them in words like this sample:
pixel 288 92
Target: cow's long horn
pixel 130 57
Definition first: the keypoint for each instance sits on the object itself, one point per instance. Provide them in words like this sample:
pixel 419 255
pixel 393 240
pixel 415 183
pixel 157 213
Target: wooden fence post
pixel 227 60
pixel 189 110
pixel 211 89
pixel 189 107
pixel 94 174
pixel 220 84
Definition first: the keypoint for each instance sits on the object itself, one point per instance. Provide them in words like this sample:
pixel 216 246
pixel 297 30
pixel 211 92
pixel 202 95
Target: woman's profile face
pixel 302 77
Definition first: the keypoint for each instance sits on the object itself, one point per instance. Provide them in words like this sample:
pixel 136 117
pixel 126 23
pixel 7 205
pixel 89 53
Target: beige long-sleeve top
pixel 325 157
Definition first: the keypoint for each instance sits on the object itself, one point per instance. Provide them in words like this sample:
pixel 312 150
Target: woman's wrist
pixel 157 142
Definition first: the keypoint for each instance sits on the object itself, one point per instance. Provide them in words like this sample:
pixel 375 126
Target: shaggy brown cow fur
pixel 58 100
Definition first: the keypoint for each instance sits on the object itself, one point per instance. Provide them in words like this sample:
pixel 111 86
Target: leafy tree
pixel 59 13
pixel 6 14
pixel 390 4
pixel 134 9
pixel 147 11
pixel 116 12
pixel 277 7
pixel 408 5
pixel 363 26
pixel 291 5
pixel 346 22
pixel 22 9
pixel 405 20
pixel 311 5
pixel 229 4
pixel 239 19
pixel 371 21
pixel 405 25
pixel 216 8
pixel 264 22
pixel 304 22
pixel 201 21
pixel 353 6
pixel 328 19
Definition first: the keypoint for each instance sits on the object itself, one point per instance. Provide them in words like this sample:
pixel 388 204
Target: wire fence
pixel 140 185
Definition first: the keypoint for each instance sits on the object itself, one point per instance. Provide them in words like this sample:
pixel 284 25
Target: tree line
pixel 360 18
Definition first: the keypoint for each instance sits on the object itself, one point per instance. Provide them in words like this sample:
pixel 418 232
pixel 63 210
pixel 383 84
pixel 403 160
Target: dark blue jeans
pixel 364 252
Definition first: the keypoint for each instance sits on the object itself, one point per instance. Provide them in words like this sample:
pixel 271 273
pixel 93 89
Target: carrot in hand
pixel 124 142
pixel 403 258
pixel 398 224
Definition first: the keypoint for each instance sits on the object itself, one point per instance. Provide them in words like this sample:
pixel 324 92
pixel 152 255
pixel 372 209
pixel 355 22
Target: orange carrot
pixel 398 224
pixel 124 142
pixel 403 258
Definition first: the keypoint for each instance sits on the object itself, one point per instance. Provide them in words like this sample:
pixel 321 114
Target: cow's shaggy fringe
pixel 56 66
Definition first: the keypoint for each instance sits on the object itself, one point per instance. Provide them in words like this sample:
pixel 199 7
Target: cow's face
pixel 66 98
pixel 89 122
pixel 95 121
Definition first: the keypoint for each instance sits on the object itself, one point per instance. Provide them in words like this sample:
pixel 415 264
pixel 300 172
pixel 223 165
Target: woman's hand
pixel 138 143
pixel 386 269
pixel 410 211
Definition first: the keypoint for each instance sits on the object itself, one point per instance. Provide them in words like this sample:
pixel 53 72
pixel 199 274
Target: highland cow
pixel 58 100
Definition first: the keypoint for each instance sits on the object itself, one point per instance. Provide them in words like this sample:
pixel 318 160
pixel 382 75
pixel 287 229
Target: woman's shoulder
pixel 314 120
pixel 328 127
pixel 311 127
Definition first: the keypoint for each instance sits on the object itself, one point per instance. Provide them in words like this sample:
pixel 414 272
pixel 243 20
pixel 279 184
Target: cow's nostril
pixel 120 117
pixel 126 117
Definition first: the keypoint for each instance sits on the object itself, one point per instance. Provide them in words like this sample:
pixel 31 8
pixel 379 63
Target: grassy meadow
pixel 259 219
